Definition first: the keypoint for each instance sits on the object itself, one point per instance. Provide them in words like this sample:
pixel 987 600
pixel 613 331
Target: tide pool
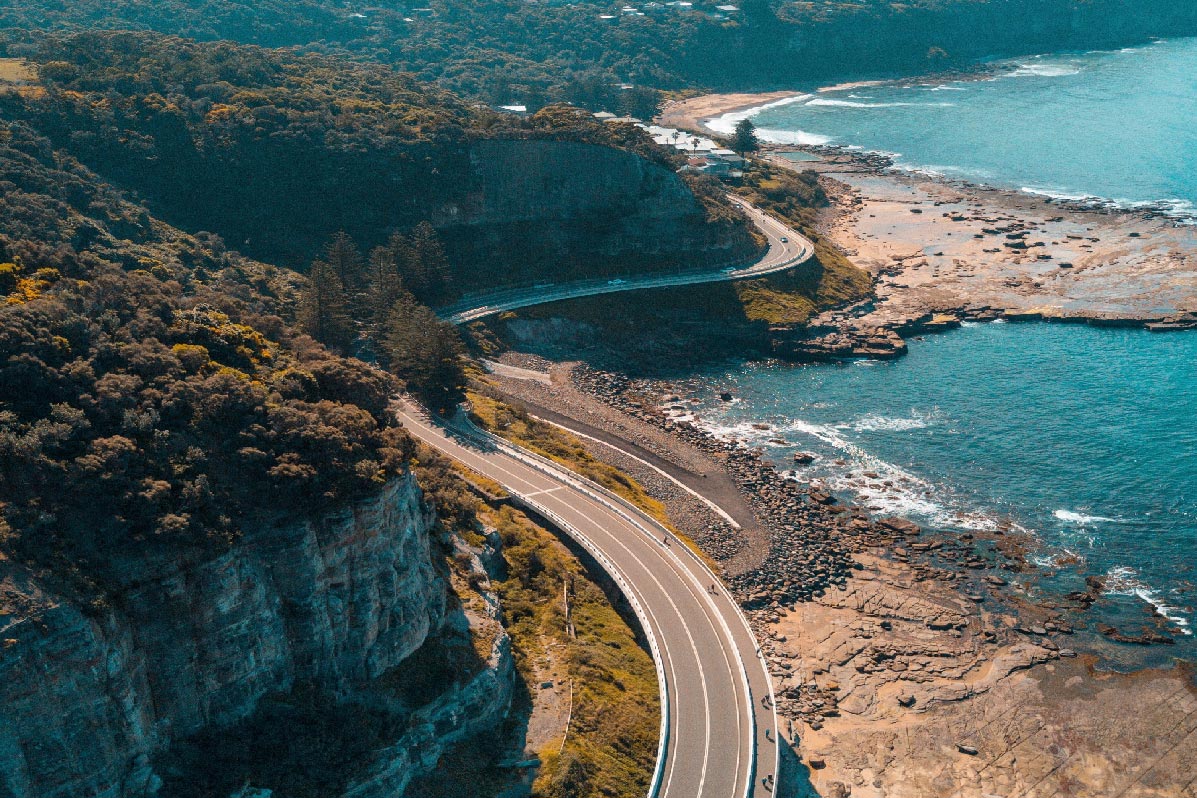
pixel 1120 126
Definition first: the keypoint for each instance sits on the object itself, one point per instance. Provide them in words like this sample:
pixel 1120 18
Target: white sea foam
pixel 1059 195
pixel 1124 581
pixel 875 423
pixel 948 88
pixel 1046 70
pixel 726 124
pixel 1179 209
pixel 793 137
pixel 1057 559
pixel 821 102
pixel 904 495
pixel 1081 519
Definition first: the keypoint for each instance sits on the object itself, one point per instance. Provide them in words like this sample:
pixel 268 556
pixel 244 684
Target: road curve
pixel 787 248
pixel 719 732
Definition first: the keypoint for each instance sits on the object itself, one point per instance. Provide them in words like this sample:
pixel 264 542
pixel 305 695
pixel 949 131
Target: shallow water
pixel 1085 437
pixel 1115 125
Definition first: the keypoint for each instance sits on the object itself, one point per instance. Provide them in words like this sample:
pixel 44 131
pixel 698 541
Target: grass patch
pixel 828 280
pixel 19 76
pixel 610 745
pixel 484 483
pixel 17 70
pixel 515 425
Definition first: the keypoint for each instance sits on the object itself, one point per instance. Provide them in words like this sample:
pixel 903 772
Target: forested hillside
pixel 153 392
pixel 159 387
pixel 276 152
pixel 514 50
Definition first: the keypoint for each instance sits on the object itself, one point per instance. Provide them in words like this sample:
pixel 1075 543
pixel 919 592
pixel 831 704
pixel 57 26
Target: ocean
pixel 1117 126
pixel 1085 438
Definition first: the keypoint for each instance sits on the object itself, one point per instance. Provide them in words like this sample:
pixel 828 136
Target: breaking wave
pixel 1071 517
pixel 1124 581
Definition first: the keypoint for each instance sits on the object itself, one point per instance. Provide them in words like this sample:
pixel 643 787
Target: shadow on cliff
pixel 661 333
pixel 311 742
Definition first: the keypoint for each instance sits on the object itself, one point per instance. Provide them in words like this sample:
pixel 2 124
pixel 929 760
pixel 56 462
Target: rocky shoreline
pixel 877 328
pixel 923 619
pixel 943 251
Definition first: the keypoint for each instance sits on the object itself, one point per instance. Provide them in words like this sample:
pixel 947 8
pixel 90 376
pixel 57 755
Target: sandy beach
pixel 692 114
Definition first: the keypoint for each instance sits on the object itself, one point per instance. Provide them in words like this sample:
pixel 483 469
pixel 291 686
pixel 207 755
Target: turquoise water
pixel 1120 126
pixel 1086 438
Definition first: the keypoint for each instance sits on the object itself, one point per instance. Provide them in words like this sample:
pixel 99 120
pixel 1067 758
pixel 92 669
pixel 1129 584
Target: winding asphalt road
pixel 719 732
pixel 787 249
pixel 718 729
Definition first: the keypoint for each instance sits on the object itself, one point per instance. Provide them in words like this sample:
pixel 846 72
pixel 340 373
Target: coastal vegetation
pixel 510 51
pixel 557 614
pixel 277 152
pixel 828 280
pixel 153 394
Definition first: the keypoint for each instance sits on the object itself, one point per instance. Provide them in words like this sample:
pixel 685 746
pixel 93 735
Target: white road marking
pixel 636 558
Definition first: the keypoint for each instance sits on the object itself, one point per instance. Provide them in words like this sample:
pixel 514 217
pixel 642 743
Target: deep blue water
pixel 1085 437
pixel 1115 125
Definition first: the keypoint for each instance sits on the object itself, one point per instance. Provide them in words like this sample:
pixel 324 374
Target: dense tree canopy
pixel 277 152
pixel 516 51
pixel 153 394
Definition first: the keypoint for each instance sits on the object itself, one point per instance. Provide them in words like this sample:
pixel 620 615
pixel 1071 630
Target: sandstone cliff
pixel 90 696
pixel 545 210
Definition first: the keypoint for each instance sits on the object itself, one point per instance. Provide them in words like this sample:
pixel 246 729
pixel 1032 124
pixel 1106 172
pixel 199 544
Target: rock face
pixel 843 344
pixel 547 210
pixel 88 696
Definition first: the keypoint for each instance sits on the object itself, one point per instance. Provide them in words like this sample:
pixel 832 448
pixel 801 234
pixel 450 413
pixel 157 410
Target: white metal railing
pixel 473 431
pixel 623 507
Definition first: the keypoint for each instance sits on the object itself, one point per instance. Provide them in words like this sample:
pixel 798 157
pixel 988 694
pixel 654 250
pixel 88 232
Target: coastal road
pixel 719 732
pixel 787 249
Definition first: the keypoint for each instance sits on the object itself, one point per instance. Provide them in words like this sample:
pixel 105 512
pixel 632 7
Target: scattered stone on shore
pixel 846 343
pixel 1145 638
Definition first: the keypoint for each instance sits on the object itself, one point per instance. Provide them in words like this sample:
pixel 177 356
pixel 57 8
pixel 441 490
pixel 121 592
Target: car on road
pixel 616 281
pixel 785 240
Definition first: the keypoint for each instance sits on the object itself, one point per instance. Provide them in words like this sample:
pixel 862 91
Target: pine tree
pixel 343 255
pixel 424 352
pixel 411 270
pixel 433 264
pixel 744 138
pixel 384 283
pixel 323 309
